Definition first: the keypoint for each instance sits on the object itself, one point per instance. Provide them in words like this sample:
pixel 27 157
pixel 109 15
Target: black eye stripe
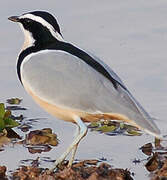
pixel 25 21
pixel 28 20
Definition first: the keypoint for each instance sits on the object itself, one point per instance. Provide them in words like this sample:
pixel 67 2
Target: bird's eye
pixel 28 20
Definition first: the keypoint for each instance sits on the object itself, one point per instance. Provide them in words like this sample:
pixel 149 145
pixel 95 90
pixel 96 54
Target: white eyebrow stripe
pixel 44 23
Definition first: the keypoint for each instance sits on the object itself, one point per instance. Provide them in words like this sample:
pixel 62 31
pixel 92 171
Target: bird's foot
pixel 57 164
pixel 73 147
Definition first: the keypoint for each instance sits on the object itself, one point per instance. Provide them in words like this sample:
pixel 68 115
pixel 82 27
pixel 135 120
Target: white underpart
pixel 28 38
pixel 44 23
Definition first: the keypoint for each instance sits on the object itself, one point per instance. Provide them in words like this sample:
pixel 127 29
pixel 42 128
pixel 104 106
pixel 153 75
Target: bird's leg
pixel 82 133
pixel 72 155
pixel 74 149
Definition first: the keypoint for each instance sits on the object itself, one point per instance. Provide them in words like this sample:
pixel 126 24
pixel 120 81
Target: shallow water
pixel 130 36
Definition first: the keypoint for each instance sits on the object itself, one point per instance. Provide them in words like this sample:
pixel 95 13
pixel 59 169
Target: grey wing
pixel 67 81
pixel 144 120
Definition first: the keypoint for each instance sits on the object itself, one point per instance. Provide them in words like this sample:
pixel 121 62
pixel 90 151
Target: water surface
pixel 130 36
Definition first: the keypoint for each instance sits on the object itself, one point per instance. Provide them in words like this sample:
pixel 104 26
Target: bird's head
pixel 39 27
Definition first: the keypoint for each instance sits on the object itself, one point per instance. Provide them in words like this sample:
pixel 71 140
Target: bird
pixel 72 84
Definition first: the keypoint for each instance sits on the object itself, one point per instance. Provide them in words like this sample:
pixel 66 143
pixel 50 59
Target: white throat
pixel 28 38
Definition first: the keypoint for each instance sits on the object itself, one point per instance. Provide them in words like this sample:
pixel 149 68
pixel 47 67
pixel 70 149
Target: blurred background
pixel 130 36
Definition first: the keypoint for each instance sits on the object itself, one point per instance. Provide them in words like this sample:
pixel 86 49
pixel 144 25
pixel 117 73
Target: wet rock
pixel 7 136
pixel 147 149
pixel 157 163
pixel 39 141
pixel 14 101
pixel 3 173
pixel 161 174
pixel 102 172
pixel 68 174
pixel 77 172
pixel 27 173
pixel 4 140
pixel 42 137
pixel 153 163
